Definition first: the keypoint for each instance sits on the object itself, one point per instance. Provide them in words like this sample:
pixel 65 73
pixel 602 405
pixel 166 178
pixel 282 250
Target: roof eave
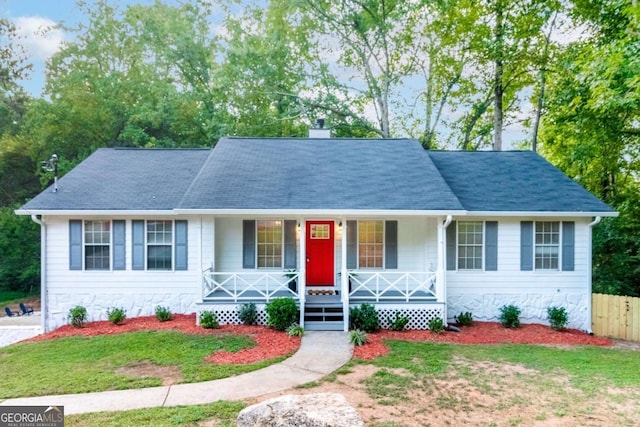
pixel 546 214
pixel 94 212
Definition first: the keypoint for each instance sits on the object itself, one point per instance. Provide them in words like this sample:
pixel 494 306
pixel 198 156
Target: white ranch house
pixel 332 223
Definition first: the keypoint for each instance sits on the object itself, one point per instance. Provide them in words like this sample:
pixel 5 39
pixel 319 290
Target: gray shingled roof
pixel 517 181
pixel 124 179
pixel 247 173
pixel 341 174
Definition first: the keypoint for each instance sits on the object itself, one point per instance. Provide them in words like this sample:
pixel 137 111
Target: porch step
pixel 323 326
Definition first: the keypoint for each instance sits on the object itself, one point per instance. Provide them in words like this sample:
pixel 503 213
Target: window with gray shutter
pixel 526 245
pixel 119 245
pixel 491 246
pixel 248 243
pixel 75 244
pixel 181 245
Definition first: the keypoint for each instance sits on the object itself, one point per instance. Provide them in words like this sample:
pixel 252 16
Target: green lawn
pixel 221 414
pixel 12 297
pixel 80 365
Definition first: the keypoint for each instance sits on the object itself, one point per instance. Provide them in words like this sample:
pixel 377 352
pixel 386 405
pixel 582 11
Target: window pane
pixel 547 245
pixel 470 245
pixel 370 244
pixel 159 245
pixel 269 243
pixel 97 239
pixel 159 257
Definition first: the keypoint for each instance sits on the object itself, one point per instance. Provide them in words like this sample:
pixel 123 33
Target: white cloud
pixel 41 37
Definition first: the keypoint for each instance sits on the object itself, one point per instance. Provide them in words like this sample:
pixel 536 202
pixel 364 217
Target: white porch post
pixel 344 276
pixel 441 288
pixel 302 262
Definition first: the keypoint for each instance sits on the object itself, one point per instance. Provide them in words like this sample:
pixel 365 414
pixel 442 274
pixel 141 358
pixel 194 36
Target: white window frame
pixel 558 246
pixel 258 244
pixel 481 245
pixel 383 245
pixel 85 244
pixel 171 245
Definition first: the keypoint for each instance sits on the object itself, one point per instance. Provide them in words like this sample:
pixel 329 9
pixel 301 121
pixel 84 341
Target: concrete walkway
pixel 18 328
pixel 320 354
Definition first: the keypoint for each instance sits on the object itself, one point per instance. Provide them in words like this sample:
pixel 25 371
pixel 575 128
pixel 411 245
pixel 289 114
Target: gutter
pixel 43 272
pixel 592 224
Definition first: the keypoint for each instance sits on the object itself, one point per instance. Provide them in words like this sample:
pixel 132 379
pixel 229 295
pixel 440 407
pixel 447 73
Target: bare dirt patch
pixel 169 374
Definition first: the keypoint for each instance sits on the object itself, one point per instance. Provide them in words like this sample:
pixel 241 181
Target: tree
pixel 19 263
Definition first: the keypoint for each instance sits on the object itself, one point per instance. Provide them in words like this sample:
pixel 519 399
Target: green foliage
pixel 209 320
pixel 509 316
pixel 436 325
pixel 464 319
pixel 163 314
pixel 364 317
pixel 77 316
pixel 19 252
pixel 281 313
pixel 398 323
pixel 558 317
pixel 295 330
pixel 358 337
pixel 116 315
pixel 248 314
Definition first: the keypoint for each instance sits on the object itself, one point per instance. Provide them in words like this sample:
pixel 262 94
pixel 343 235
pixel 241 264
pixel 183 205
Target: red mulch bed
pixel 270 343
pixel 482 333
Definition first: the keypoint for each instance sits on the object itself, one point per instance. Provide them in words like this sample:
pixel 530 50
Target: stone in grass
pixel 308 410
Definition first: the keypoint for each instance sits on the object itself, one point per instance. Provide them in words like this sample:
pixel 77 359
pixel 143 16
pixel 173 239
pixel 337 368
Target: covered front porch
pixel 410 280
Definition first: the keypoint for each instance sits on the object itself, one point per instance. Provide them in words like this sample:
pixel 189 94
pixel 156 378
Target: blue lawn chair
pixel 26 309
pixel 11 313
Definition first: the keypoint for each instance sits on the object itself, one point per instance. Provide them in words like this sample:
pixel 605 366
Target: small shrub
pixel 464 319
pixel 281 313
pixel 510 316
pixel 364 318
pixel 163 314
pixel 358 337
pixel 436 325
pixel 78 316
pixel 209 320
pixel 399 323
pixel 295 330
pixel 558 318
pixel 248 314
pixel 116 315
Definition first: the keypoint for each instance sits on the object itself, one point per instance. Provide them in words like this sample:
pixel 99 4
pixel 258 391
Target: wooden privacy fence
pixel 616 316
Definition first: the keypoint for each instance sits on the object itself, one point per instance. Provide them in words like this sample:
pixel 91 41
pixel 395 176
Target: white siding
pixel 137 291
pixel 484 292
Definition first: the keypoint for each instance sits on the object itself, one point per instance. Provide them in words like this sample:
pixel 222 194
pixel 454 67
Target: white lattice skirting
pixel 419 315
pixel 228 313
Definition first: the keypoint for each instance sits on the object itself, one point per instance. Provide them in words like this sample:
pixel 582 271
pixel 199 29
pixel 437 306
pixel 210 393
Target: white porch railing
pixel 394 285
pixel 245 286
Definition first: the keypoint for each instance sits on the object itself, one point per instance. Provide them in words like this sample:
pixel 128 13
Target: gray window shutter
pixel 491 246
pixel 568 246
pixel 391 244
pixel 352 245
pixel 526 245
pixel 119 245
pixel 290 253
pixel 248 243
pixel 451 246
pixel 181 245
pixel 75 244
pixel 137 245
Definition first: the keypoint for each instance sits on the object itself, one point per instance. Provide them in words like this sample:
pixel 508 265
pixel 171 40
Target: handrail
pixel 395 285
pixel 240 286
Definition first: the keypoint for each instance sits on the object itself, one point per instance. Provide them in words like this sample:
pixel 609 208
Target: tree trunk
pixel 498 89
pixel 543 82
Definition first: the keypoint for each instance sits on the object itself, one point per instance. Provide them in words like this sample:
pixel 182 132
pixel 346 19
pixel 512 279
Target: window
pixel 159 245
pixel 370 244
pixel 269 243
pixel 470 244
pixel 97 245
pixel 547 241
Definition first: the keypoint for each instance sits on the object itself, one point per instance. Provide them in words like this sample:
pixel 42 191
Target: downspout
pixel 43 272
pixel 592 224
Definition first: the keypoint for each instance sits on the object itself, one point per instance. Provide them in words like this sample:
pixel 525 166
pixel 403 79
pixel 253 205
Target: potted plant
pixel 292 279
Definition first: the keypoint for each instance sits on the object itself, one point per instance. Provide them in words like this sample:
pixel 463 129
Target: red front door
pixel 320 253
